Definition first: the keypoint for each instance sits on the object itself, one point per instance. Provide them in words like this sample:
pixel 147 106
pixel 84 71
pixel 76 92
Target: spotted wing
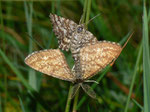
pixel 63 29
pixel 50 62
pixel 95 57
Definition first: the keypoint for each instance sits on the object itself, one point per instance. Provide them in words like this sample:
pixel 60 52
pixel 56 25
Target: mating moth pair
pixel 90 55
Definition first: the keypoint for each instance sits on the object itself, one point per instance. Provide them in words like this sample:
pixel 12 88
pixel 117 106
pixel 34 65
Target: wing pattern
pixel 95 57
pixel 50 62
pixel 63 29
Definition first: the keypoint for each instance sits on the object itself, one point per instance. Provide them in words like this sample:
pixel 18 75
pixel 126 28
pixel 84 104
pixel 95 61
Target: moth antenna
pixel 122 48
pixel 81 19
pixel 34 41
pixel 85 24
pixel 92 18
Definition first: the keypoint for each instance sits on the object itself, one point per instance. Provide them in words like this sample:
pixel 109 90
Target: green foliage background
pixel 23 89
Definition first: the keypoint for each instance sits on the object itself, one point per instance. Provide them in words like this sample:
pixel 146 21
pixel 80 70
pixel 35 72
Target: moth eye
pixel 80 29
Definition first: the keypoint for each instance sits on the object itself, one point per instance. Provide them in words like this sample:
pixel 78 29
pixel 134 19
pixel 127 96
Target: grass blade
pixel 133 79
pixel 146 61
pixel 148 15
pixel 28 14
pixel 0 104
pixel 75 101
pixel 140 106
pixel 88 11
pixel 16 71
pixel 21 104
pixel 68 100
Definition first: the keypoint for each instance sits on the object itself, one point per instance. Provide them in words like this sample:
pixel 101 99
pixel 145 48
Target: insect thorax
pixel 80 38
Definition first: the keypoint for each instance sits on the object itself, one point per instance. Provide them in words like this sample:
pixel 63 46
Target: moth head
pixel 80 29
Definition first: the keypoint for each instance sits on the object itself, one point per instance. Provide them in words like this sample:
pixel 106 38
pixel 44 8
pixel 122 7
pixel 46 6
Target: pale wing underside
pixel 63 29
pixel 50 62
pixel 95 57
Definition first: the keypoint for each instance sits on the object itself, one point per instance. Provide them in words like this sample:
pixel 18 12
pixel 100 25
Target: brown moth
pixel 63 29
pixel 92 58
pixel 90 55
pixel 70 35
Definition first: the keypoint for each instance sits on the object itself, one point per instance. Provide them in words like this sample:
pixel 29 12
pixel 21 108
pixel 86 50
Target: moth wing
pixel 63 29
pixel 88 90
pixel 50 62
pixel 89 38
pixel 94 58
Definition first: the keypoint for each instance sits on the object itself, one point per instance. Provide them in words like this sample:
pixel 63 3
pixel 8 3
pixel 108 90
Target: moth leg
pixel 74 90
pixel 88 90
pixel 73 69
pixel 91 81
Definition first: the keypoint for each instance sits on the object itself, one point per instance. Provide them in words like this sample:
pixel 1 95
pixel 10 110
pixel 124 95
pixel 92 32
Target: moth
pixel 92 58
pixel 90 55
pixel 71 35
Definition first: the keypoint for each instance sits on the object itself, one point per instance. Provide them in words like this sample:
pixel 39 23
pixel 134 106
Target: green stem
pixel 75 102
pixel 3 44
pixel 139 105
pixel 133 79
pixel 88 11
pixel 84 12
pixel 28 14
pixel 146 60
pixel 1 22
pixel 15 70
pixel 0 104
pixel 5 83
pixel 68 100
pixel 51 40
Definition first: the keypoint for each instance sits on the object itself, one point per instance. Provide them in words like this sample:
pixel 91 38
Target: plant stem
pixel 68 99
pixel 28 15
pixel 84 12
pixel 75 102
pixel 146 60
pixel 2 27
pixel 5 91
pixel 88 11
pixel 133 79
pixel 3 45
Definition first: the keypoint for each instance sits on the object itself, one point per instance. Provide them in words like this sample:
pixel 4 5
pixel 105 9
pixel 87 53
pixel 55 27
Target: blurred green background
pixel 24 23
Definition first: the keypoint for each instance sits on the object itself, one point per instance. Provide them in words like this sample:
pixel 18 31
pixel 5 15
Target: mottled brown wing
pixel 63 29
pixel 95 57
pixel 50 62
